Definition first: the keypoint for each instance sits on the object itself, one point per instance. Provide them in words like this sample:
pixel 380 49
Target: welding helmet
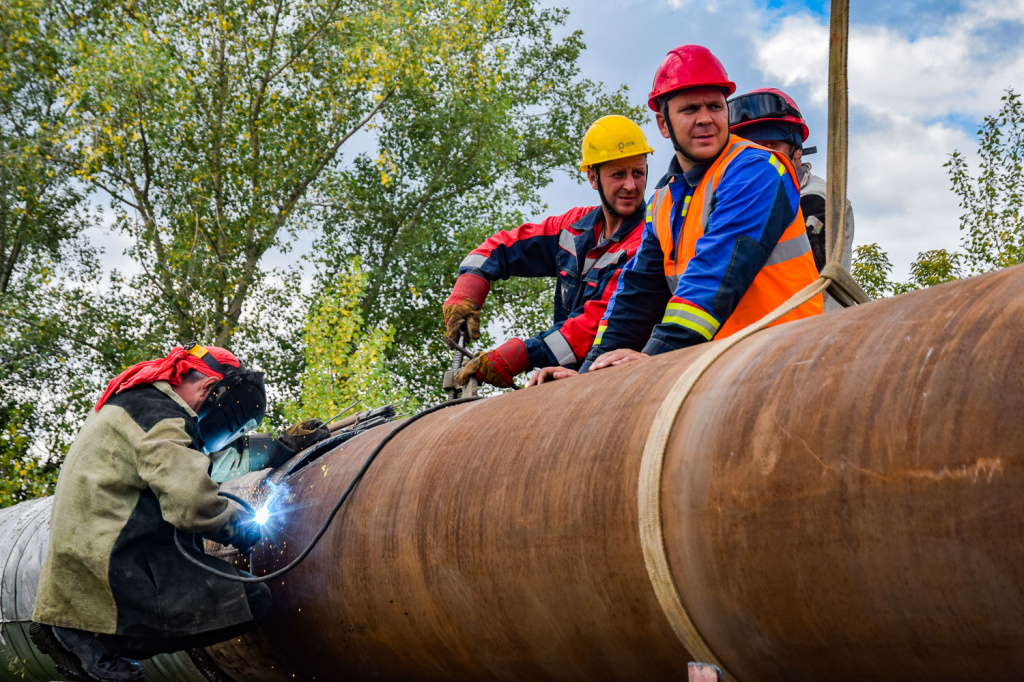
pixel 236 404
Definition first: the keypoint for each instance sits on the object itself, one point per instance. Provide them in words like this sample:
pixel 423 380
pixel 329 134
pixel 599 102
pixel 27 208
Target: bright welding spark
pixel 274 501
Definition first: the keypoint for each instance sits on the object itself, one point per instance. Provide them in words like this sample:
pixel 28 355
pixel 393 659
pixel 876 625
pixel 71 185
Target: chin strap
pixel 604 202
pixel 600 192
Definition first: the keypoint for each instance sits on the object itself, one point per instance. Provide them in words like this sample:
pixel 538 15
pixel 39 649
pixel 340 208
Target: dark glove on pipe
pixel 303 434
pixel 247 532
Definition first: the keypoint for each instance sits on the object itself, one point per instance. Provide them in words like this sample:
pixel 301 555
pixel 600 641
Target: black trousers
pixel 258 596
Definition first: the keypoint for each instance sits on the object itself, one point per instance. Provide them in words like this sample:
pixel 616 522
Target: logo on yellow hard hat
pixel 610 138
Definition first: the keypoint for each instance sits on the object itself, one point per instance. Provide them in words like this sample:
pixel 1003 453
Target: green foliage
pixel 937 266
pixel 59 336
pixel 22 476
pixel 345 359
pixel 871 269
pixel 992 222
pixel 210 123
pixel 453 164
pixel 215 131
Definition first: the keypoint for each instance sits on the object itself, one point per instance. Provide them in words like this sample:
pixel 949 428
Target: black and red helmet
pixel 765 106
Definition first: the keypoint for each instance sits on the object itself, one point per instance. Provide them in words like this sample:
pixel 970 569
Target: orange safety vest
pixel 789 268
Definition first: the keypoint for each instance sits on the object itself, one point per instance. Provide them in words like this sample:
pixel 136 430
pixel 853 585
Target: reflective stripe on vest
pixel 691 317
pixel 789 268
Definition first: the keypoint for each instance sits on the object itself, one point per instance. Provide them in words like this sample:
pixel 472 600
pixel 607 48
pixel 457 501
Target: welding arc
pixel 330 517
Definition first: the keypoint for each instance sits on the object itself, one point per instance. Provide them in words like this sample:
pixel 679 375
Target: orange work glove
pixel 463 306
pixel 498 367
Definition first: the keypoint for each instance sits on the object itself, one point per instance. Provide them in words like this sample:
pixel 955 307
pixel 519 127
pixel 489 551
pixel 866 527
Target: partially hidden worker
pixel 114 587
pixel 772 119
pixel 584 249
pixel 724 242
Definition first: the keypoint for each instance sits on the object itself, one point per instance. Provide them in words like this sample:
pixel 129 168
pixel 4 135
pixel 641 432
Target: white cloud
pixel 953 72
pixel 900 190
pixel 907 95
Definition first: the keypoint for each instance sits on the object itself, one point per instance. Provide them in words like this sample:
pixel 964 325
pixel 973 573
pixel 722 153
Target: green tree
pixel 453 164
pixel 936 266
pixel 209 124
pixel 59 336
pixel 871 269
pixel 991 221
pixel 345 360
pixel 22 475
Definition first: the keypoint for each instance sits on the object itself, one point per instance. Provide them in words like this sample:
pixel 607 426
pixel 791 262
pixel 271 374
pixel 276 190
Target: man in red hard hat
pixel 724 242
pixel 585 249
pixel 772 118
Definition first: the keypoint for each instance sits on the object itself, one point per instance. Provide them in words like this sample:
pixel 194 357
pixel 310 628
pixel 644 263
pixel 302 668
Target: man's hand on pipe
pixel 549 374
pixel 247 532
pixel 617 357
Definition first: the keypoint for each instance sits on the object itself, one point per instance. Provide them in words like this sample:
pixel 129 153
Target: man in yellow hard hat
pixel 584 248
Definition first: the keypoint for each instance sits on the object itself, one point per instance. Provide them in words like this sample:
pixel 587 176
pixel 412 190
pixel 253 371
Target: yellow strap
pixel 198 351
pixel 652 535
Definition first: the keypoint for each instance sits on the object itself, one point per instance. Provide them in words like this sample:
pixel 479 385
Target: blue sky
pixel 922 76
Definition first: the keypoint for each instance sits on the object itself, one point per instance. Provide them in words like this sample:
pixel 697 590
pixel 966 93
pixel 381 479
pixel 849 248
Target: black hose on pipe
pixel 330 517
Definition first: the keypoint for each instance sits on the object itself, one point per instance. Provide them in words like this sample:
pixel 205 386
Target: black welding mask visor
pixel 235 406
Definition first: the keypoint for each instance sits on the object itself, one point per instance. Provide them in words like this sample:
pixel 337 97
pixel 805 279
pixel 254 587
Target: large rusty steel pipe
pixel 841 500
pixel 841 497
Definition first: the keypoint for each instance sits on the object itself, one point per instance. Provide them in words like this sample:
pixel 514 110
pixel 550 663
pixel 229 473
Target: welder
pixel 114 587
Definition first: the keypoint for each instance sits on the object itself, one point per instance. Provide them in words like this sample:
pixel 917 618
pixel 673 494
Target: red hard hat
pixel 689 66
pixel 766 105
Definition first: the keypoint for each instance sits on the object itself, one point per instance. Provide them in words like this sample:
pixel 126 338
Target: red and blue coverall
pixel 566 247
pixel 751 208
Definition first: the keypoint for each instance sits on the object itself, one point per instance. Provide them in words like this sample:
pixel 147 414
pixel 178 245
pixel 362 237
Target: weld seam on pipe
pixel 652 534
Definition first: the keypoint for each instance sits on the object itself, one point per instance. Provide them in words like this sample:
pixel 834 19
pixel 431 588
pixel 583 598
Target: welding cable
pixel 330 517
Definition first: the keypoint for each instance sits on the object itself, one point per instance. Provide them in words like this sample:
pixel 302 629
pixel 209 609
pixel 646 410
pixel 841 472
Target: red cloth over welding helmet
pixel 236 404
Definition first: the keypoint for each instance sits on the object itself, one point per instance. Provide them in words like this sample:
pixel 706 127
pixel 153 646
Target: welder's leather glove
pixel 498 367
pixel 303 434
pixel 247 532
pixel 463 306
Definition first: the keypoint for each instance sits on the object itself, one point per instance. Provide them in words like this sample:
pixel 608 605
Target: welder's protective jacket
pixel 133 474
pixel 723 245
pixel 569 247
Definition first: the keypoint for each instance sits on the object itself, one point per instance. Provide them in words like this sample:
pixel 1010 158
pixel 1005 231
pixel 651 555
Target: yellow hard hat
pixel 610 138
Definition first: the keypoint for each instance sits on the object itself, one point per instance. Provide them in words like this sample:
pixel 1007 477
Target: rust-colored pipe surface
pixel 842 500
